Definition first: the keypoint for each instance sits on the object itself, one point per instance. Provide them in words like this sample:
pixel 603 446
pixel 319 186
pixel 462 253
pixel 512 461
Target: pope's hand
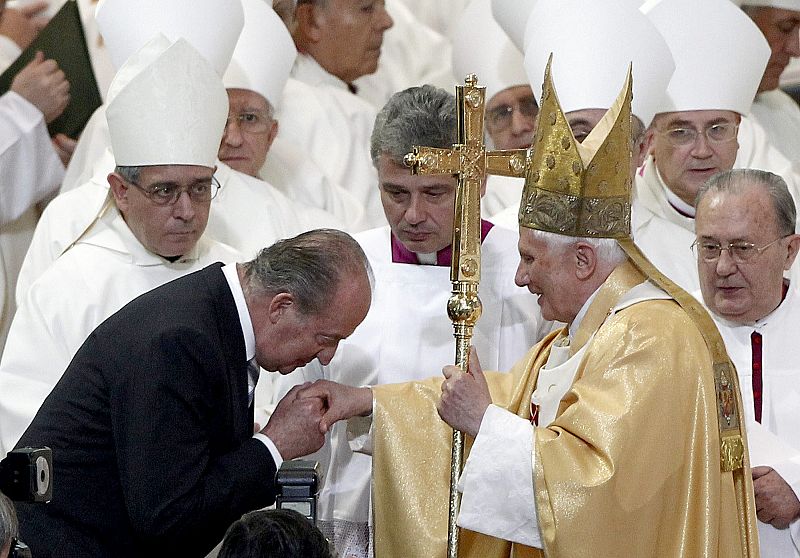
pixel 465 397
pixel 341 401
pixel 776 502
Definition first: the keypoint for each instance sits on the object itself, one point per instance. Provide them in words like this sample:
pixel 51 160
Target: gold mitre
pixel 580 189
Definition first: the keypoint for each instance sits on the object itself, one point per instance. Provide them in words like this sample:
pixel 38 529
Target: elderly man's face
pixel 287 339
pixel 547 271
pixel 349 36
pixel 249 132
pixel 167 230
pixel 511 117
pixel 742 291
pixel 782 31
pixel 692 146
pixel 419 208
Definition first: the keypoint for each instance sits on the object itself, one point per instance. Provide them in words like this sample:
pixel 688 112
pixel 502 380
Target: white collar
pixel 309 71
pixel 673 199
pixel 575 324
pixel 232 277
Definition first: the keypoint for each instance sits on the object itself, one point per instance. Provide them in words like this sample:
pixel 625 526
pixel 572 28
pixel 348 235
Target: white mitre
pixel 512 17
pixel 720 55
pixel 593 43
pixel 481 47
pixel 166 106
pixel 264 55
pixel 212 27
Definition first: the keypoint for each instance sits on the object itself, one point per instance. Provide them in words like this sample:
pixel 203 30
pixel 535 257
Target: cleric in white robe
pixel 407 327
pixel 694 133
pixel 757 312
pixel 150 234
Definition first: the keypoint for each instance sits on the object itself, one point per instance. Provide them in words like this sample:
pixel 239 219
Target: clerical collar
pixel 401 254
pixel 677 204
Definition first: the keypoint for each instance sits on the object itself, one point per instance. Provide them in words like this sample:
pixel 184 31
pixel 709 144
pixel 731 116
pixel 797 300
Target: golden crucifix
pixel 469 162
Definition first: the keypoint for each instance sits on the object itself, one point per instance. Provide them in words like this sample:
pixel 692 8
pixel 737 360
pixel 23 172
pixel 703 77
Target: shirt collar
pixel 677 204
pixel 232 277
pixel 576 323
pixel 401 254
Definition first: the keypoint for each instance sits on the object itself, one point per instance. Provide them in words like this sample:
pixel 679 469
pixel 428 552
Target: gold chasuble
pixel 646 455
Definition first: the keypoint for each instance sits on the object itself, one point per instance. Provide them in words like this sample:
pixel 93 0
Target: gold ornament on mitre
pixel 580 189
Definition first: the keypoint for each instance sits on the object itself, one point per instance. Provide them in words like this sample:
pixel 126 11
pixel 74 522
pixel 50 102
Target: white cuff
pixel 273 449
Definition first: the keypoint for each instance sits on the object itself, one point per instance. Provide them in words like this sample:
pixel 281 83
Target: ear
pixel 649 139
pixel 120 191
pixel 308 16
pixel 273 131
pixel 483 186
pixel 792 248
pixel 585 261
pixel 279 305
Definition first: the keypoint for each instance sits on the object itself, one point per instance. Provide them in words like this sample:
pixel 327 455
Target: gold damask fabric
pixel 629 468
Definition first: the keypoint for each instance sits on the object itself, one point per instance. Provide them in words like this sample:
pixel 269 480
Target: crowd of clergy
pixel 278 117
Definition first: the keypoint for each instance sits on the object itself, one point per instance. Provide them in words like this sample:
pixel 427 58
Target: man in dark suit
pixel 151 425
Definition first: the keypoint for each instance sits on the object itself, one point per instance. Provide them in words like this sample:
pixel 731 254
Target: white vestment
pixel 99 275
pixel 497 480
pixel 439 16
pixel 406 336
pixel 30 172
pixel 779 115
pixel 502 193
pixel 412 54
pixel 334 127
pixel 291 171
pixel 774 442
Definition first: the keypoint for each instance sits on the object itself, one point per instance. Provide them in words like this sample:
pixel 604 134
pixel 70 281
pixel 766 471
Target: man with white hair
pixel 255 80
pixel 151 231
pixel 774 110
pixel 564 449
pixel 746 241
pixel 481 47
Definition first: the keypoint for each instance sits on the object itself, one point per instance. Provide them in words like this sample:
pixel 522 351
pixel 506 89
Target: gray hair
pixel 130 174
pixel 424 115
pixel 309 266
pixel 9 527
pixel 608 251
pixel 736 181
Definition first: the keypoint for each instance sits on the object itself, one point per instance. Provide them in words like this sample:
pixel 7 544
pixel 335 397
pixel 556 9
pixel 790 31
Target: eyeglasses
pixel 168 193
pixel 251 122
pixel 739 251
pixel 499 118
pixel 716 133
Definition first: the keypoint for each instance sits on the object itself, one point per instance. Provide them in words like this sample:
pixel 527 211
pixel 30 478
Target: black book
pixel 63 41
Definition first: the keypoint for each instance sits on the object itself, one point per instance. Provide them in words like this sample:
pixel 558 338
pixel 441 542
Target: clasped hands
pixel 307 412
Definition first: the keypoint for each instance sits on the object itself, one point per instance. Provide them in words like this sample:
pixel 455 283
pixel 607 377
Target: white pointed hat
pixel 593 43
pixel 482 48
pixel 720 55
pixel 210 26
pixel 264 55
pixel 166 106
pixel 512 16
pixel 782 4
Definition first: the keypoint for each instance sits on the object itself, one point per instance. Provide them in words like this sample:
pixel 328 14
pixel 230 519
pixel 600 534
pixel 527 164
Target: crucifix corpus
pixel 470 163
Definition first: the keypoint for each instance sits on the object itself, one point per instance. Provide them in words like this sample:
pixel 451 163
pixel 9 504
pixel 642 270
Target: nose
pixel 326 355
pixel 183 208
pixel 521 124
pixel 725 265
pixel 384 20
pixel 233 134
pixel 415 211
pixel 521 276
pixel 701 148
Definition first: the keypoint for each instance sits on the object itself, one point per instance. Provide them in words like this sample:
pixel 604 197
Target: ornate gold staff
pixel 469 161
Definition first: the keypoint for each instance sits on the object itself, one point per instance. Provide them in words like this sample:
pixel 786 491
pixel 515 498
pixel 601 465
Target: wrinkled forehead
pixel 246 99
pixel 178 174
pixel 696 118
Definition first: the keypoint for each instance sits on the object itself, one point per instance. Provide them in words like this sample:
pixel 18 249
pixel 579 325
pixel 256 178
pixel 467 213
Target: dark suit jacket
pixel 151 432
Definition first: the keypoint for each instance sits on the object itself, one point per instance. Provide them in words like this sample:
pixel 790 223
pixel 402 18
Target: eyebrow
pixel 688 124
